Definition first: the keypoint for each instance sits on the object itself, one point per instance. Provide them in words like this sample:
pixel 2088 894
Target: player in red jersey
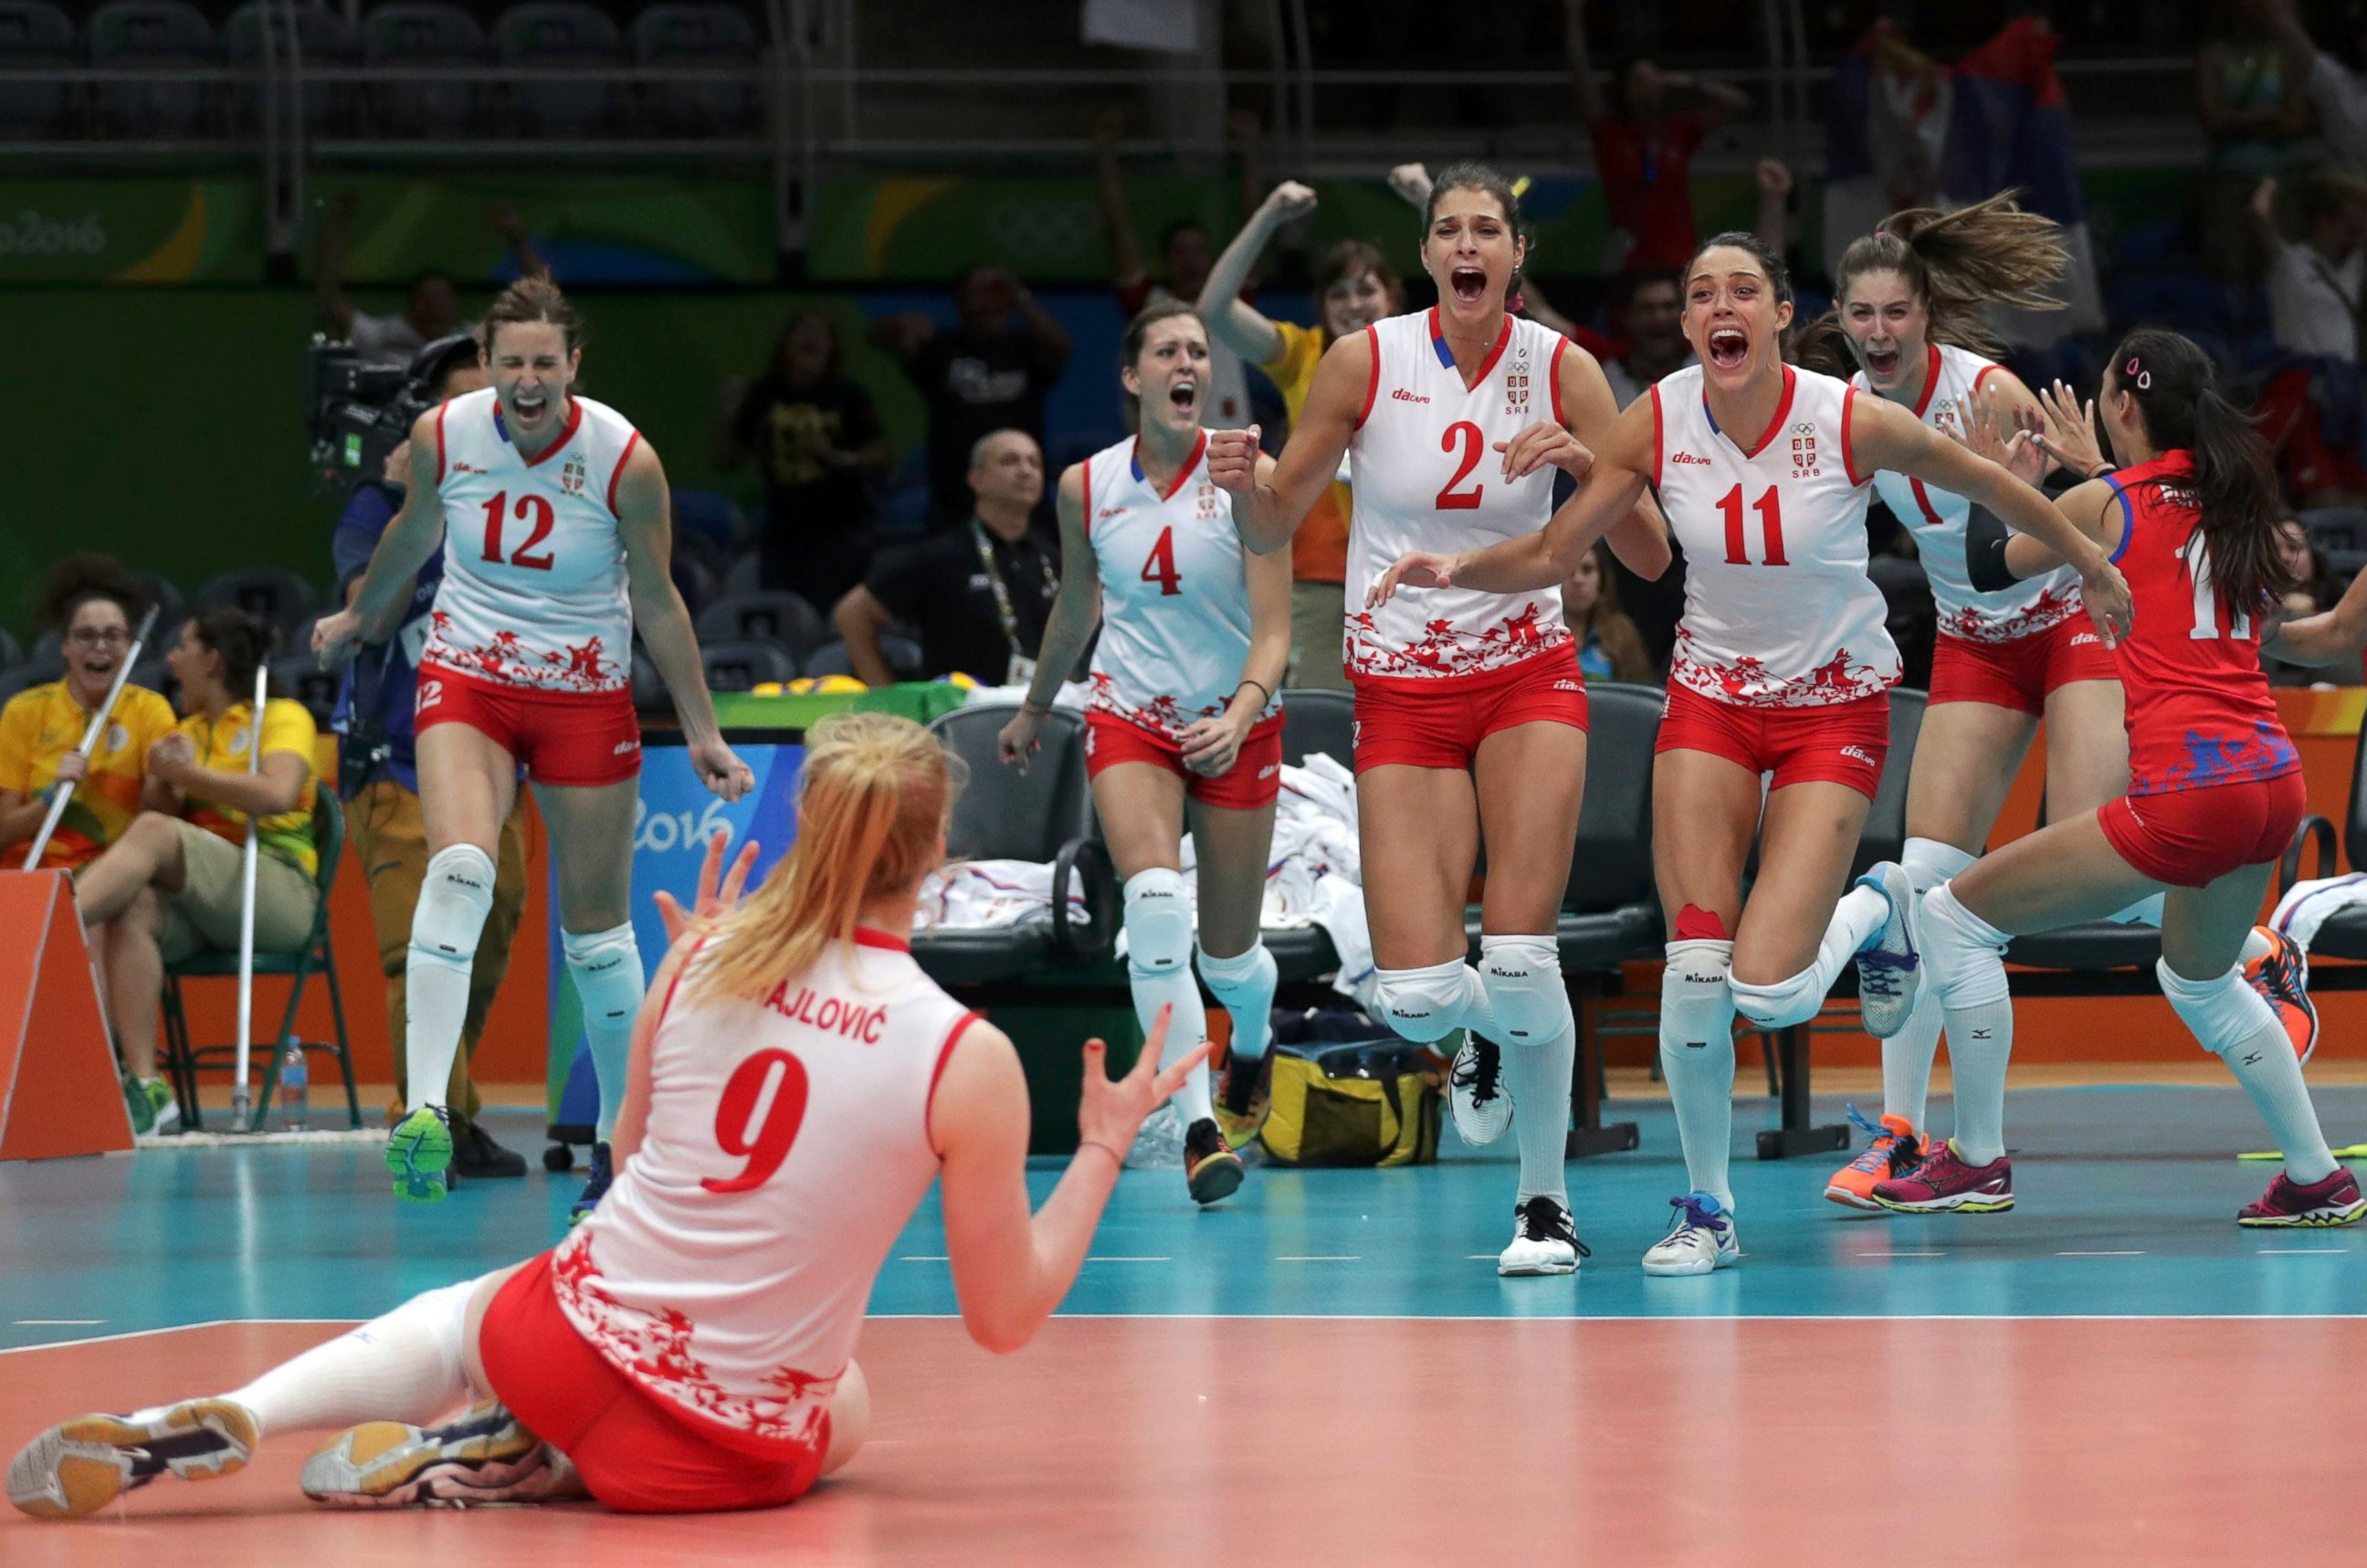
pixel 690 1346
pixel 557 534
pixel 1783 667
pixel 1470 710
pixel 1183 727
pixel 2214 786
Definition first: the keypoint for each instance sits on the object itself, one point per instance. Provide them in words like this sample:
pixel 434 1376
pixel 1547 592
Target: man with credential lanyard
pixel 978 594
pixel 380 781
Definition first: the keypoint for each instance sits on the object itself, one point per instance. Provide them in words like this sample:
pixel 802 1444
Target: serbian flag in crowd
pixel 1905 131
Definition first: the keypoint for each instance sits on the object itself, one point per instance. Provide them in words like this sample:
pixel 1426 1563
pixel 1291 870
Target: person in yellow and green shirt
pixel 1355 287
pixel 173 884
pixel 94 604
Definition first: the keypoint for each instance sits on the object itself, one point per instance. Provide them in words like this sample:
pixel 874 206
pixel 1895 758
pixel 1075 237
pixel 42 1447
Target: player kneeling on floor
pixel 754 1159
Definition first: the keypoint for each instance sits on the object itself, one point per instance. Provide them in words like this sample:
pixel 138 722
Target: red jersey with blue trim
pixel 2199 709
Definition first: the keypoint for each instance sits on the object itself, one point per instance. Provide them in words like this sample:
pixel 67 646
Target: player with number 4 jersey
pixel 796 1082
pixel 1182 728
pixel 556 537
pixel 1470 707
pixel 1777 721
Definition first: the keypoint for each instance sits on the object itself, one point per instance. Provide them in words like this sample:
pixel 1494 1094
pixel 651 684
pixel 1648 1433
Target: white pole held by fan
pixel 63 792
pixel 246 912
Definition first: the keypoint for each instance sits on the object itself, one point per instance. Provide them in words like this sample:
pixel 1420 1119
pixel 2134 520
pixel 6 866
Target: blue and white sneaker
pixel 1701 1238
pixel 1889 966
pixel 597 1187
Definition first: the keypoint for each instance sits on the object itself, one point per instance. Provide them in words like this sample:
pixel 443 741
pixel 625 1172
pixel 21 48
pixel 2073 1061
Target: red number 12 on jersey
pixel 533 506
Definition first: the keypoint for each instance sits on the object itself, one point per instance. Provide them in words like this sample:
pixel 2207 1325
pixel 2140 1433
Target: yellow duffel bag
pixel 1367 1102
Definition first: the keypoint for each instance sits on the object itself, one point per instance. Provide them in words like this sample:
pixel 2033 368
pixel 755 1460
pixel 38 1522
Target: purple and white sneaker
pixel 1944 1183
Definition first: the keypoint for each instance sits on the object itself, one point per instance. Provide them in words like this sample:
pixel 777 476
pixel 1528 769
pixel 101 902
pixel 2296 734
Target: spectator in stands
pixel 2250 93
pixel 981 376
pixel 2315 588
pixel 978 594
pixel 1643 154
pixel 172 884
pixel 1609 647
pixel 2336 91
pixel 2314 411
pixel 94 604
pixel 1355 287
pixel 1647 317
pixel 1237 395
pixel 432 308
pixel 378 777
pixel 819 440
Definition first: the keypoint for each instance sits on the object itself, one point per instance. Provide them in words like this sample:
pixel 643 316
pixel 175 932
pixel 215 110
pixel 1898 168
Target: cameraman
pixel 381 781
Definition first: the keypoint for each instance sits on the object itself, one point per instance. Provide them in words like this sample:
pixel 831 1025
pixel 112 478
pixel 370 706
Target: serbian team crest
pixel 1208 498
pixel 1944 416
pixel 1804 451
pixel 1516 382
pixel 571 477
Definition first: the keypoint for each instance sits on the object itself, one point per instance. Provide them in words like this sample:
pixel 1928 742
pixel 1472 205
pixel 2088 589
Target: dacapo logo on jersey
pixel 1401 395
pixel 1683 459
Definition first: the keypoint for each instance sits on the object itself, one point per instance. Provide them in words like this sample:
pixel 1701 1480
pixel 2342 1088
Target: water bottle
pixel 295 1089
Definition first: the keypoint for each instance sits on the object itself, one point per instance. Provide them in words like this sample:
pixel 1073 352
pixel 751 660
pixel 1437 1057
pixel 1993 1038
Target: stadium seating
pixel 11 653
pixel 34 35
pixel 279 598
pixel 168 37
pixel 903 655
pixel 301 678
pixel 560 34
pixel 710 517
pixel 307 37
pixel 685 36
pixel 415 38
pixel 29 674
pixel 778 617
pixel 742 664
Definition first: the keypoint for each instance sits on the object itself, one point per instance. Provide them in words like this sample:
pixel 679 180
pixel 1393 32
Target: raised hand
pixel 718 895
pixel 1289 201
pixel 1995 427
pixel 1232 460
pixel 1110 1111
pixel 2068 433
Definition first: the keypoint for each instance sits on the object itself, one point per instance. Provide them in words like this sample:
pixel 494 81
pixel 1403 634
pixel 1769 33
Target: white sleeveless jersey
pixel 534 591
pixel 1175 595
pixel 1936 519
pixel 787 1145
pixel 1428 477
pixel 1779 611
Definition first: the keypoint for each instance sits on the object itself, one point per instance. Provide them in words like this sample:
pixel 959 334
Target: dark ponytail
pixel 2175 387
pixel 244 643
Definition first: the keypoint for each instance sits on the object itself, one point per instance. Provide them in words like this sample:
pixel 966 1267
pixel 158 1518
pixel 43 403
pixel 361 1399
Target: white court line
pixel 1902 1254
pixel 2100 1255
pixel 57 1323
pixel 2268 1251
pixel 1129 1260
pixel 1319 1257
pixel 925 1257
pixel 185 1327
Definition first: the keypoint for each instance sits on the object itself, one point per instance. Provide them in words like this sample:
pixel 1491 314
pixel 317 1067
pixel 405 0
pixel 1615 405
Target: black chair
pixel 743 663
pixel 649 687
pixel 903 655
pixel 31 674
pixel 774 615
pixel 12 652
pixel 1043 814
pixel 272 595
pixel 301 677
pixel 1315 720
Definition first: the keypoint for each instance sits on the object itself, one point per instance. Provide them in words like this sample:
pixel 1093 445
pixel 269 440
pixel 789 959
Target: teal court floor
pixel 1327 1368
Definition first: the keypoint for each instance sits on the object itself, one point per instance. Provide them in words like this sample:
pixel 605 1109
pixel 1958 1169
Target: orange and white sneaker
pixel 2282 977
pixel 1897 1148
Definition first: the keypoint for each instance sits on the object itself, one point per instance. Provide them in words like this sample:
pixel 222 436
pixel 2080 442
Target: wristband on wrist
pixel 2102 469
pixel 1265 693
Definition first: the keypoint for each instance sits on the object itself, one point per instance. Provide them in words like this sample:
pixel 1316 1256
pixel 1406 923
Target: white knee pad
pixel 2222 1013
pixel 1963 955
pixel 1158 922
pixel 1422 1005
pixel 1522 978
pixel 1783 1003
pixel 455 896
pixel 1696 970
pixel 1930 862
pixel 607 967
pixel 1696 998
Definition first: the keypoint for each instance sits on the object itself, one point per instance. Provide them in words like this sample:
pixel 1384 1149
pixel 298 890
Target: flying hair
pixel 1960 263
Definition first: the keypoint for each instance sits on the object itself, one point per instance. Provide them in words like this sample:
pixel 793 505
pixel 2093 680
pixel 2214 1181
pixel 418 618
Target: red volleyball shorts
pixel 636 1452
pixel 2023 673
pixel 1254 780
pixel 2190 838
pixel 1842 742
pixel 1440 723
pixel 581 738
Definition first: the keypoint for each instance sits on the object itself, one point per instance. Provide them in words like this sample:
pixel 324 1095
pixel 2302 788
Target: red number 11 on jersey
pixel 1770 507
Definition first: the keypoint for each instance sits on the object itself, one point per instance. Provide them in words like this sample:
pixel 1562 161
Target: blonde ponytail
pixel 872 800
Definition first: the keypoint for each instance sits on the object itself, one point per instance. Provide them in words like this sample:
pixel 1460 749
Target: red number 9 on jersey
pixel 765 1145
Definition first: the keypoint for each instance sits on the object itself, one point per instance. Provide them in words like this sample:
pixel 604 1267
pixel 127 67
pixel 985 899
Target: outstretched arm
pixel 1128 273
pixel 2330 637
pixel 1641 540
pixel 1270 503
pixel 406 545
pixel 1076 610
pixel 1582 60
pixel 1239 326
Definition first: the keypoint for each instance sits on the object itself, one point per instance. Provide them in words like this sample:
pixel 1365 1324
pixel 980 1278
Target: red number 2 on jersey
pixel 528 505
pixel 765 1145
pixel 1474 444
pixel 1770 507
pixel 1162 557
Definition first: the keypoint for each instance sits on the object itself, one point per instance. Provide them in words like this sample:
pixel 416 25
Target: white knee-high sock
pixel 407 1366
pixel 1858 916
pixel 1966 955
pixel 2233 1023
pixel 1531 1004
pixel 1158 973
pixel 2255 947
pixel 1906 1056
pixel 1244 986
pixel 607 968
pixel 456 893
pixel 1698 1059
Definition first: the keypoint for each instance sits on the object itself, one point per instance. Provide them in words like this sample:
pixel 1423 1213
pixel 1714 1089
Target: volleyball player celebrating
pixel 1196 635
pixel 690 1346
pixel 1782 665
pixel 2214 786
pixel 558 539
pixel 1470 711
